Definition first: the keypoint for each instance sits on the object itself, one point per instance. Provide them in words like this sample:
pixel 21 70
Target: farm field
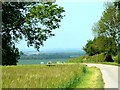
pixel 43 76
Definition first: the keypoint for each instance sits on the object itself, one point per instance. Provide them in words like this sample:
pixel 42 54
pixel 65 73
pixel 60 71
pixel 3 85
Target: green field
pixel 43 76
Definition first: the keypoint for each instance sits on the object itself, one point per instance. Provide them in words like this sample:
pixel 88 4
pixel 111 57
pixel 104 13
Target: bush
pixel 98 58
pixel 115 58
pixel 91 59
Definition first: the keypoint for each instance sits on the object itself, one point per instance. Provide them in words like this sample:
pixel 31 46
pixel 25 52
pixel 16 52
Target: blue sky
pixel 75 27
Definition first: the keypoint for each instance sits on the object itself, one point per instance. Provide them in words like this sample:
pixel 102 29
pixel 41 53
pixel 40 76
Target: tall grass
pixel 41 76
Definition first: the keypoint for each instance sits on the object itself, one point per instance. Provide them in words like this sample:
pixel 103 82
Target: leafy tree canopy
pixel 33 21
pixel 99 45
pixel 109 24
pixel 106 32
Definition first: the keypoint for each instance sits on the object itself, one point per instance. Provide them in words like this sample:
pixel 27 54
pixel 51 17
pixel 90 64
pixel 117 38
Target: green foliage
pixel 118 56
pixel 89 49
pixel 30 20
pixel 109 27
pixel 99 45
pixel 111 63
pixel 40 21
pixel 89 59
pixel 41 76
pixel 97 58
pixel 92 79
pixel 106 45
pixel 107 33
pixel 115 58
pixel 109 23
pixel 10 54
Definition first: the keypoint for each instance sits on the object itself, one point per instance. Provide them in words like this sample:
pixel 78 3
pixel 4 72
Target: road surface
pixel 110 75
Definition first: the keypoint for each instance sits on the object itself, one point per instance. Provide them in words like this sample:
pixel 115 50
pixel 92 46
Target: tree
pixel 99 45
pixel 33 21
pixel 90 49
pixel 109 24
pixel 117 5
pixel 105 44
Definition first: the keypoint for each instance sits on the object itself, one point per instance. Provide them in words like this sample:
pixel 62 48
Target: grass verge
pixel 111 63
pixel 98 58
pixel 92 79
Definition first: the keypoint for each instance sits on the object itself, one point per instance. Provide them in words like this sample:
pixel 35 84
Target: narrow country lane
pixel 110 75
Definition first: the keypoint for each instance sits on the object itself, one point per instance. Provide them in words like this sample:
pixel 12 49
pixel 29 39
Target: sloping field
pixel 42 76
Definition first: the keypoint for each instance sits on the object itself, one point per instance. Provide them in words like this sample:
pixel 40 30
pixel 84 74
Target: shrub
pixel 91 59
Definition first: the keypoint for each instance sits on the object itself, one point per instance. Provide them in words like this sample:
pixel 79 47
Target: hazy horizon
pixel 55 49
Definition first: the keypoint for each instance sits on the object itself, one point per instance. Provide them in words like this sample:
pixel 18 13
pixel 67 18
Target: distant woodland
pixel 43 56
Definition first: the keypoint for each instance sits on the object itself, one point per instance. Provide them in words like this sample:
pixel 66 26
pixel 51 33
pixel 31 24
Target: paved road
pixel 110 75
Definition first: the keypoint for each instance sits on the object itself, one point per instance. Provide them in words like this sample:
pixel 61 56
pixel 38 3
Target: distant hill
pixel 54 51
pixel 52 54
